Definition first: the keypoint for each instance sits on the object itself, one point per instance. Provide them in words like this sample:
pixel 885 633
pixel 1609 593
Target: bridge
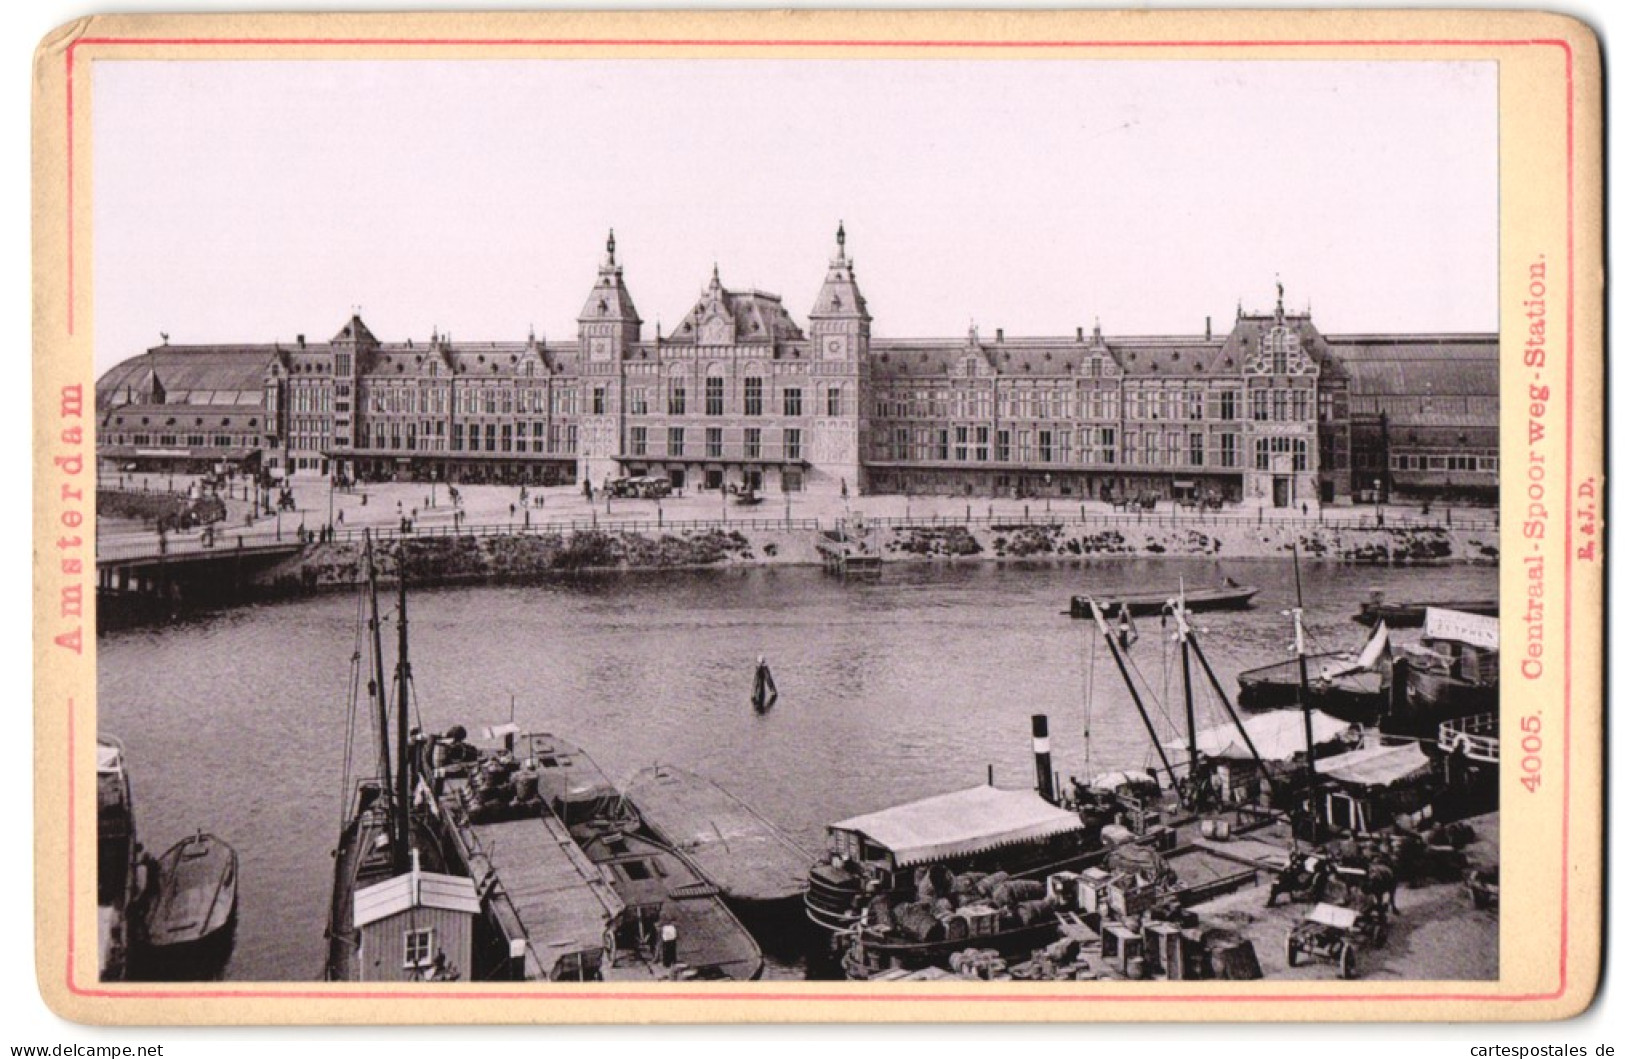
pixel 146 580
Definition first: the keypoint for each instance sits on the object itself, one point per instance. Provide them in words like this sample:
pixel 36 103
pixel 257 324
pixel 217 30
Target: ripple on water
pixel 235 722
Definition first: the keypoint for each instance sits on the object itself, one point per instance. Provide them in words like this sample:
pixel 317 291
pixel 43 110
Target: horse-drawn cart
pixel 1332 932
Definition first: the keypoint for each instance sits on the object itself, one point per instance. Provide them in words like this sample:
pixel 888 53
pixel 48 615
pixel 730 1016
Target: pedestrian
pixel 668 944
pixel 1306 509
pixel 341 518
pixel 511 511
pixel 540 501
pixel 843 488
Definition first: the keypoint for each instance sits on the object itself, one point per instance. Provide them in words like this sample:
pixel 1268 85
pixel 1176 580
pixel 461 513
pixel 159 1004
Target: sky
pixel 255 201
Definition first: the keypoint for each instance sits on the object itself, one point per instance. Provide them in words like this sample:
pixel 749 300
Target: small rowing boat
pixel 1223 597
pixel 193 912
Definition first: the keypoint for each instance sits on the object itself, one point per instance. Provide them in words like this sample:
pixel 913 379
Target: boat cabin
pixel 1366 789
pixel 417 927
pixel 982 824
pixel 567 779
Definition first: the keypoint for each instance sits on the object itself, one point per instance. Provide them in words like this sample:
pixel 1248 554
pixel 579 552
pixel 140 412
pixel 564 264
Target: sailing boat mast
pixel 1303 682
pixel 1182 626
pixel 376 686
pixel 403 677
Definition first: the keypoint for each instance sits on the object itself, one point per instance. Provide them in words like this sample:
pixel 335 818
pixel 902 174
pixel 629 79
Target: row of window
pixel 195 441
pixel 751 449
pixel 431 436
pixel 484 400
pixel 715 399
pixel 1281 406
pixel 1267 448
pixel 1444 463
pixel 311 399
pixel 1094 445
pixel 1266 405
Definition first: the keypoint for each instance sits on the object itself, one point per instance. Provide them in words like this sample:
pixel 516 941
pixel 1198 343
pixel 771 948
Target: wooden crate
pixel 1119 945
pixel 1162 948
pixel 1092 886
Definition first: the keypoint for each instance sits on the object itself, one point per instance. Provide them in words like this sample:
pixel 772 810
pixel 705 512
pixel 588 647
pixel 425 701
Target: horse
pixel 1305 873
pixel 1375 881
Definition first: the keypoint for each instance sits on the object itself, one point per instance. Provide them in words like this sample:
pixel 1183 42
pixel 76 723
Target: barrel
pixel 1015 891
pixel 1030 912
pixel 918 923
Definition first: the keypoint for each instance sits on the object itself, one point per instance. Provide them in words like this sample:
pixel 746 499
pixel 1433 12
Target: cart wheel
pixel 1291 953
pixel 1345 961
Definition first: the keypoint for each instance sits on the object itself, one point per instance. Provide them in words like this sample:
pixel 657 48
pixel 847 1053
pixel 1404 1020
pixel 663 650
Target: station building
pixel 739 394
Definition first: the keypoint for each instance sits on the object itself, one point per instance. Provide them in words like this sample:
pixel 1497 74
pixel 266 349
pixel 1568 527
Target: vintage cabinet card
pixel 501 558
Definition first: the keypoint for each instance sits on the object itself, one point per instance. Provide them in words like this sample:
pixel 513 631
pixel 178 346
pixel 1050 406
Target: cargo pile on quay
pixel 1194 870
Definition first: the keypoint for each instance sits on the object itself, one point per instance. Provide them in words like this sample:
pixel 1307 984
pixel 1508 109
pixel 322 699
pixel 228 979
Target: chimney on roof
pixel 998 334
pixel 301 341
pixel 1210 327
pixel 1080 334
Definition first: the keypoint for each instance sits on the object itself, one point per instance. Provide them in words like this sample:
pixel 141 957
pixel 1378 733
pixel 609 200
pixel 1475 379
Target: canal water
pixel 235 722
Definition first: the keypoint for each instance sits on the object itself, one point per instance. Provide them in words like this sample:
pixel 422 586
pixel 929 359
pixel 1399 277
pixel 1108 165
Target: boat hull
pixel 868 956
pixel 658 883
pixel 1413 615
pixel 1433 698
pixel 1147 603
pixel 118 875
pixel 190 923
pixel 1358 697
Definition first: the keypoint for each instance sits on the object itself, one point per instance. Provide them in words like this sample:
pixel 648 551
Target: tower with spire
pixel 839 324
pixel 608 323
pixel 608 327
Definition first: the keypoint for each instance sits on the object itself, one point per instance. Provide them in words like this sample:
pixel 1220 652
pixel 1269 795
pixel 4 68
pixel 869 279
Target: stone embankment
pixel 451 559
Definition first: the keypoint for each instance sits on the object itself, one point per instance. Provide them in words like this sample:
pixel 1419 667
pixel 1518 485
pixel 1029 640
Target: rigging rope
pixel 1089 706
pixel 354 697
pixel 1152 695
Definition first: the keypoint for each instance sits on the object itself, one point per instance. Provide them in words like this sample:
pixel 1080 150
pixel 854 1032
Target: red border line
pixel 254 992
pixel 1568 530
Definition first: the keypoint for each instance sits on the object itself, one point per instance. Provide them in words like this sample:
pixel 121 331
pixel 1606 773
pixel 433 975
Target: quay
pixel 486 536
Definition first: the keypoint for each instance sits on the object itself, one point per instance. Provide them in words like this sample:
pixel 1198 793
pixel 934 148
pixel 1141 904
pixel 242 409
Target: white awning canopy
pixel 961 823
pixel 1278 736
pixel 1377 766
